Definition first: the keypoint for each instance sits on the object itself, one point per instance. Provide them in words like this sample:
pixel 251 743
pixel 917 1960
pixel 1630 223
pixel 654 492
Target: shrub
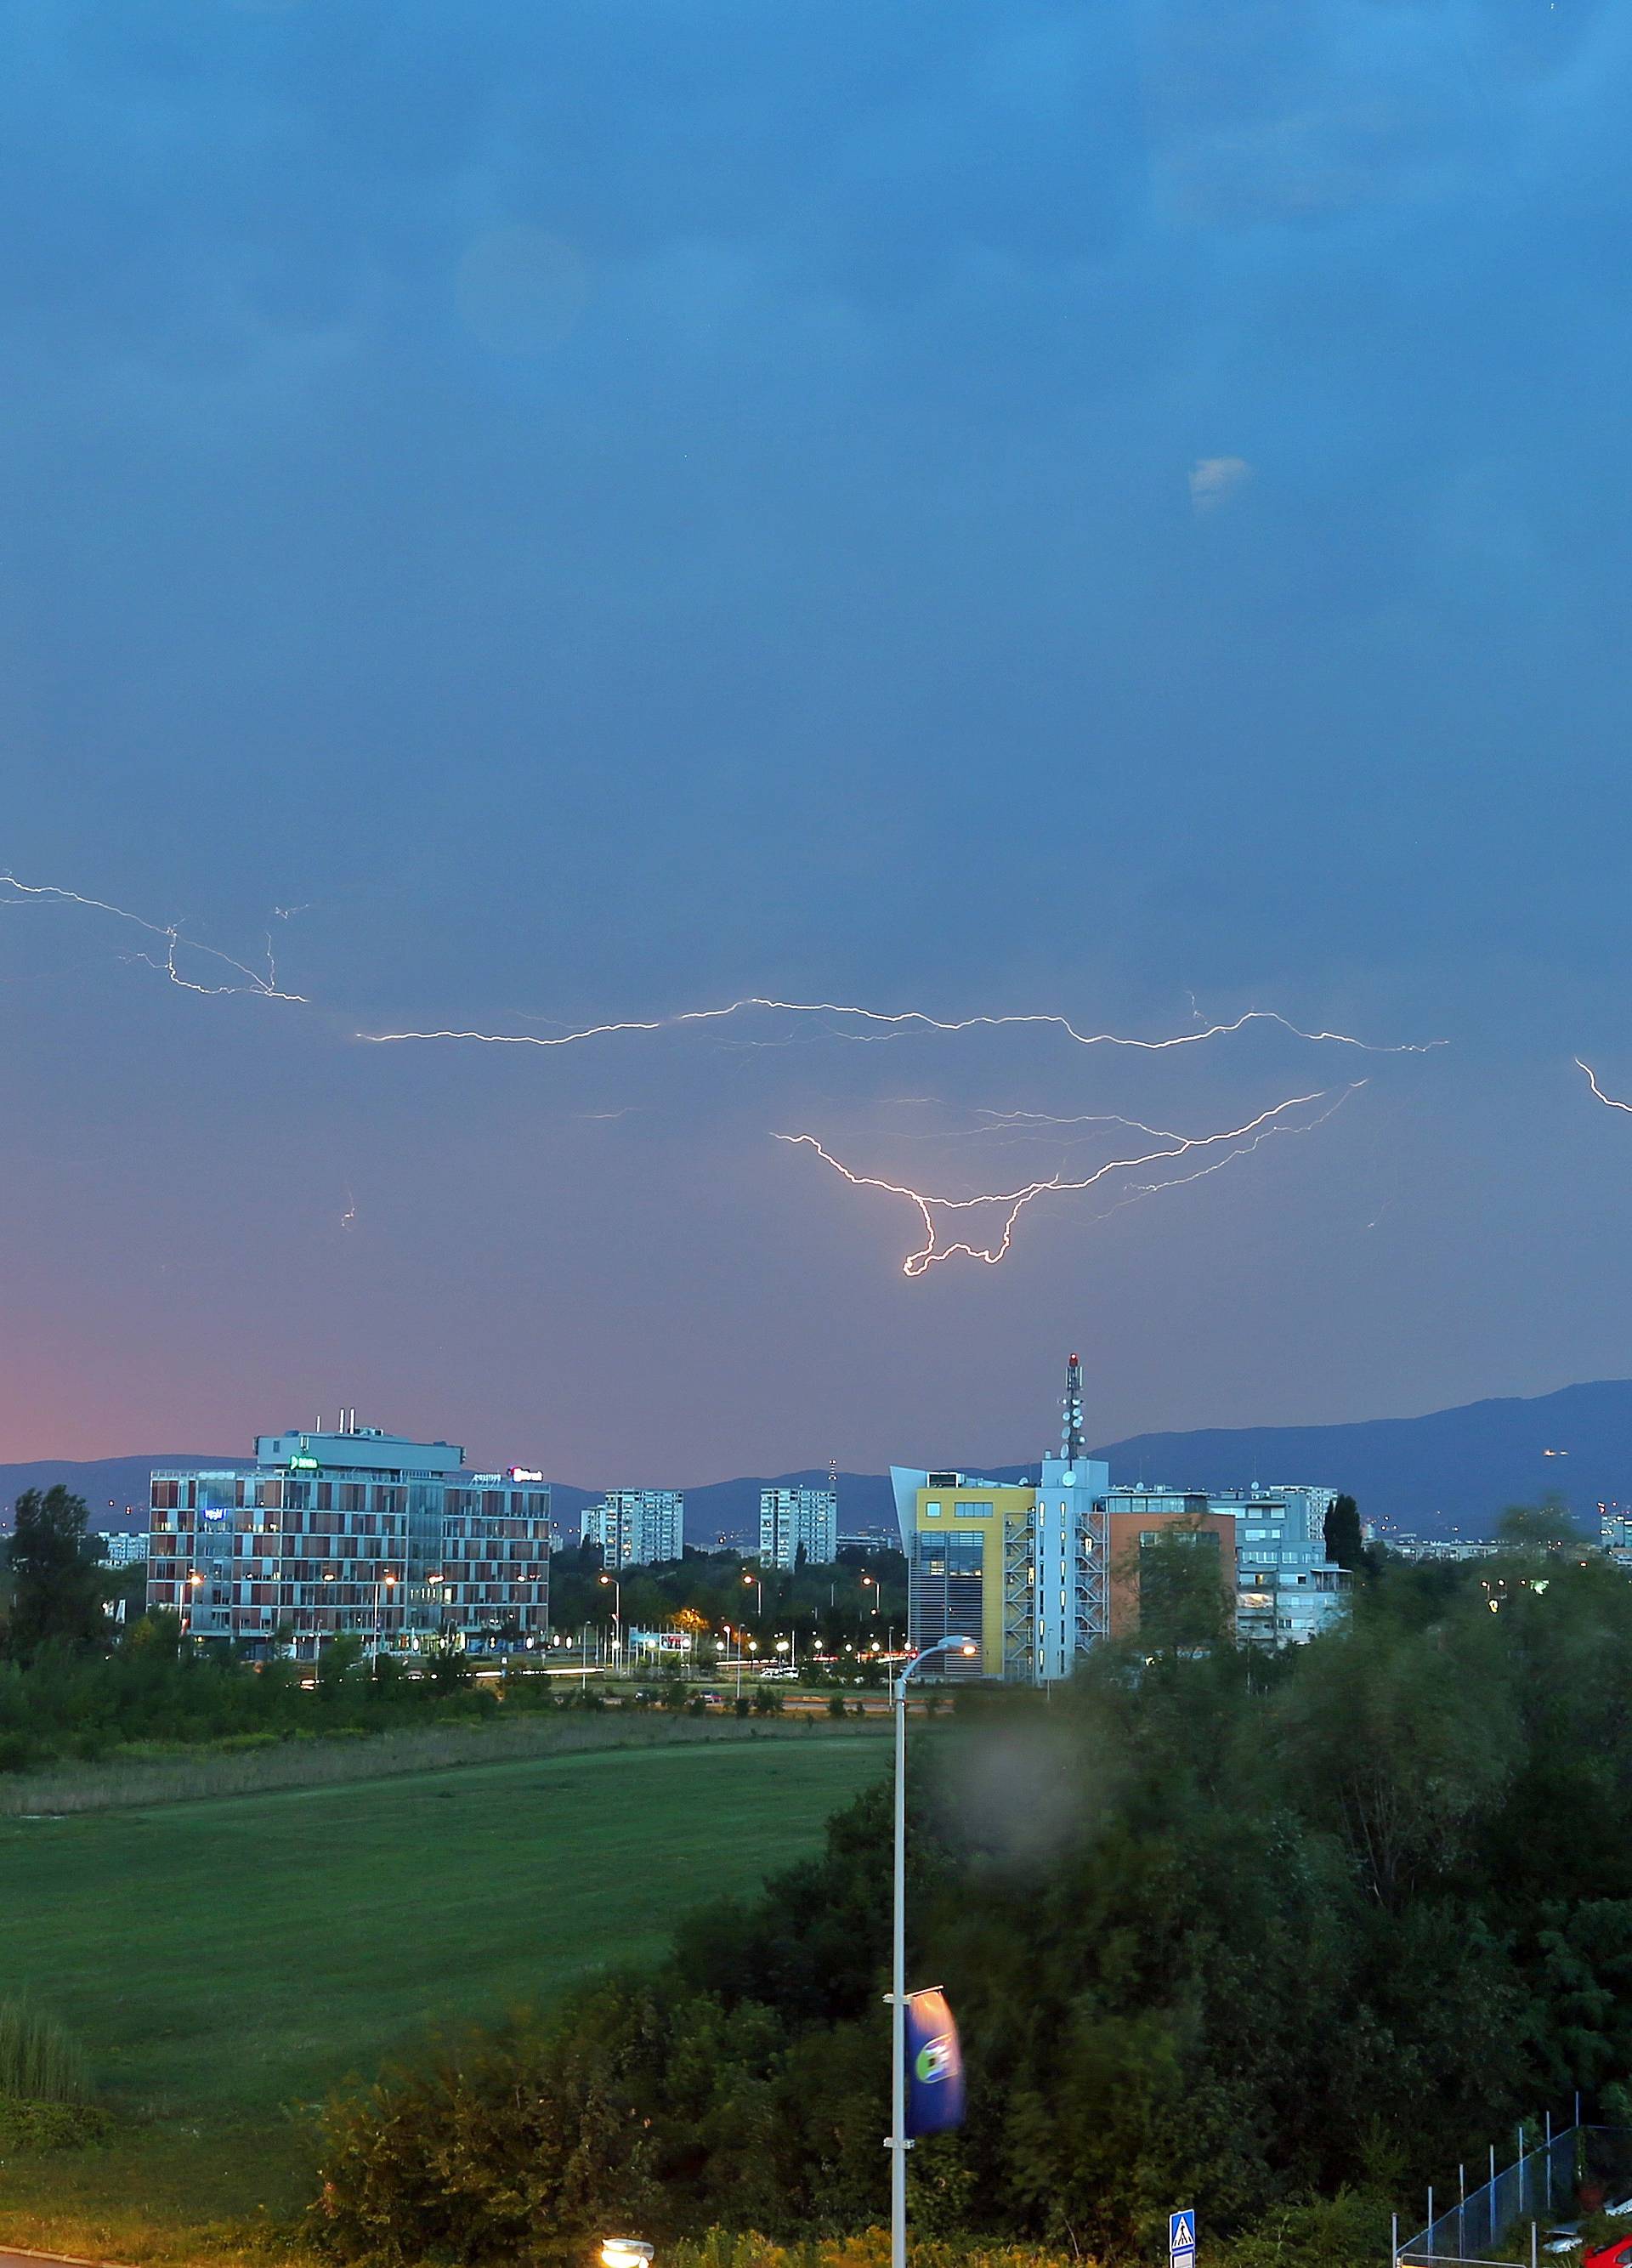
pixel 836 1704
pixel 51 2125
pixel 39 2061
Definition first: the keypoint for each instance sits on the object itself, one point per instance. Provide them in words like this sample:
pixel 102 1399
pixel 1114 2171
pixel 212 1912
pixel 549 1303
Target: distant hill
pixel 114 1488
pixel 1453 1468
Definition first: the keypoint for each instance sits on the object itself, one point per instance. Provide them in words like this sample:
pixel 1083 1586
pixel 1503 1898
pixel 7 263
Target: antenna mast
pixel 1071 1427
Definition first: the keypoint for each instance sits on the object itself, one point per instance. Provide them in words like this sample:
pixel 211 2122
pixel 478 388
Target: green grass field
pixel 224 1961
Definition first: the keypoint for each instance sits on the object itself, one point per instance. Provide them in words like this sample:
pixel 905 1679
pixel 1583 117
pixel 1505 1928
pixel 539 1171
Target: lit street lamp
pixel 384 1584
pixel 625 2252
pixel 617 1650
pixel 317 1621
pixel 898 2145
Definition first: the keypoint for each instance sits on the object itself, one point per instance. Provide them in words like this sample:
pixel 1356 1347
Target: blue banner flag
pixel 934 2065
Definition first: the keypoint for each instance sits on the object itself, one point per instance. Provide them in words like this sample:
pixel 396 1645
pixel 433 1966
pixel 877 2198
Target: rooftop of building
pixel 354 1450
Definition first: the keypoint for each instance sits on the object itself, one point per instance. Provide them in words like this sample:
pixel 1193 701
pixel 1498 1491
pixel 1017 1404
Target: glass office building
pixel 354 1532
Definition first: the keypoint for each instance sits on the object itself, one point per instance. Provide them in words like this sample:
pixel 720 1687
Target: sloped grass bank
pixel 227 1962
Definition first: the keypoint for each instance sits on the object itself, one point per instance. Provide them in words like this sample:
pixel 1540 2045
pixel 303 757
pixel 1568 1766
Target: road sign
pixel 1182 2239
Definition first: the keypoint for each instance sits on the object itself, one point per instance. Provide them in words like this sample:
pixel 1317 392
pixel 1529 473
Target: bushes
pixel 639 2103
pixel 721 2248
pixel 51 2125
pixel 61 1705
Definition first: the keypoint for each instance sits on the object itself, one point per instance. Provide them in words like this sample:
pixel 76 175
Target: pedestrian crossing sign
pixel 1182 2239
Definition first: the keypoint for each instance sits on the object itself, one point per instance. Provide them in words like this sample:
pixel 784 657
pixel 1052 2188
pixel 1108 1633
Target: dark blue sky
pixel 609 509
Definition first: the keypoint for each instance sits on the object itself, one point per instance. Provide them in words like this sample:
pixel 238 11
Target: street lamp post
pixel 617 1615
pixel 317 1616
pixel 898 2145
pixel 380 1587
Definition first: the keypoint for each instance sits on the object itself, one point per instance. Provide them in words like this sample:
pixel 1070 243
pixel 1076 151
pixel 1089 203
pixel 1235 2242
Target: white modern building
pixel 1434 1547
pixel 636 1527
pixel 121 1547
pixel 1287 1590
pixel 792 1521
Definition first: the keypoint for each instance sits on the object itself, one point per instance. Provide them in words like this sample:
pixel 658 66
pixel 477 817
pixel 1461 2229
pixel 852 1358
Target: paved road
pixel 33 2259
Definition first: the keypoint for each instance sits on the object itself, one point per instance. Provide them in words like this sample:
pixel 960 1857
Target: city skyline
pixel 860 541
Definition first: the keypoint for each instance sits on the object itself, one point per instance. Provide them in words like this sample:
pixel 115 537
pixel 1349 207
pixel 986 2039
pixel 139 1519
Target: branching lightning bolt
pixel 1014 1201
pixel 264 983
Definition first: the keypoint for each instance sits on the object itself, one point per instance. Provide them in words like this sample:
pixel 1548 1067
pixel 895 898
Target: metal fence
pixel 1560 2178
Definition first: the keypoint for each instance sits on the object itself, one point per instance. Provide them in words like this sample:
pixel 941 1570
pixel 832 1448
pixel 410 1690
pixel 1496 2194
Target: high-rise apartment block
pixel 1286 1591
pixel 354 1532
pixel 121 1547
pixel 636 1527
pixel 798 1520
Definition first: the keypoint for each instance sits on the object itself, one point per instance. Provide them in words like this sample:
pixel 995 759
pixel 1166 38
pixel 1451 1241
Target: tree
pixel 1184 1603
pixel 1549 1526
pixel 57 1587
pixel 1344 1544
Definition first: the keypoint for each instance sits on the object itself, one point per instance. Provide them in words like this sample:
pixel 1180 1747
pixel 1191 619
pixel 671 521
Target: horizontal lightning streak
pixel 1015 1201
pixel 901 1016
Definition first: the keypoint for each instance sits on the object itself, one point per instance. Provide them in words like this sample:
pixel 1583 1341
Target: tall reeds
pixel 39 2061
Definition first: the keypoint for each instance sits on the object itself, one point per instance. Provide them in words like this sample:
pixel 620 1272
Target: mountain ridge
pixel 1449 1469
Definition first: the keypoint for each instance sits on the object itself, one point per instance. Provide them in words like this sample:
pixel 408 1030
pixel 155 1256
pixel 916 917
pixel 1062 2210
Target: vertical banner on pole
pixel 934 2065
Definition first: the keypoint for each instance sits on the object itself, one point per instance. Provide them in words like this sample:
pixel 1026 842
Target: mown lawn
pixel 225 1962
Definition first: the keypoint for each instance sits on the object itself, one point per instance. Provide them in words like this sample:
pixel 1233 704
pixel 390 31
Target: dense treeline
pixel 1219 1928
pixel 150 1689
pixel 857 1602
